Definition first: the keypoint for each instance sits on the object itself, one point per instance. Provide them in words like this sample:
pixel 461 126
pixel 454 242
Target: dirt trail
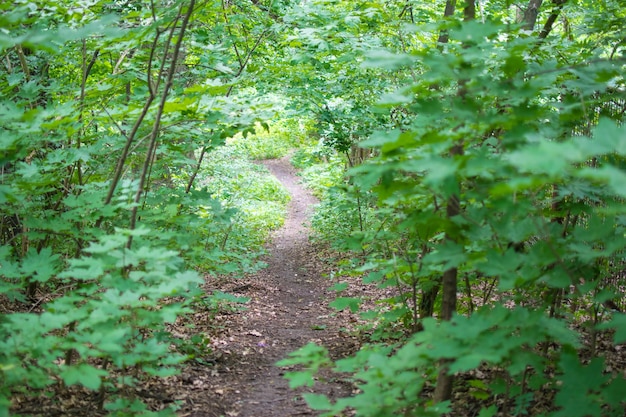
pixel 287 309
pixel 298 300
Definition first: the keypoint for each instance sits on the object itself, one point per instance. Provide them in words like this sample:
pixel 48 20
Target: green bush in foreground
pixel 107 330
pixel 498 186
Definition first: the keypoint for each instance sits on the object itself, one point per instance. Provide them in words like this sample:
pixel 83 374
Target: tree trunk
pixel 443 390
pixel 531 13
pixel 429 296
pixel 427 301
pixel 449 11
pixel 556 11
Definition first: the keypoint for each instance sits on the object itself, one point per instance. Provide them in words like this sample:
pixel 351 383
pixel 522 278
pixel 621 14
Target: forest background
pixel 469 155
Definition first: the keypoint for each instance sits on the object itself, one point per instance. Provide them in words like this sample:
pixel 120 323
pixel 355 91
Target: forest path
pixel 287 309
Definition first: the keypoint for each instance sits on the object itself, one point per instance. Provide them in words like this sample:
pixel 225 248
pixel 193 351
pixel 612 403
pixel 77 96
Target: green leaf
pixel 448 255
pixel 40 265
pixel 339 287
pixel 395 98
pixel 475 31
pixel 341 303
pixel 471 361
pixel 617 322
pixel 614 177
pixel 488 412
pixel 317 401
pixel 312 357
pixel 547 157
pixel 501 264
pixel 557 278
pixel 300 379
pixel 374 276
pixel 107 244
pixel 222 296
pixel 380 138
pixel 576 396
pixel 608 137
pixel 387 60
pixel 88 268
pixel 88 376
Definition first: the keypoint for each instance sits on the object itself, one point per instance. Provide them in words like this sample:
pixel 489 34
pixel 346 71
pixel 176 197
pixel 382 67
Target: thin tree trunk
pixel 443 390
pixel 427 301
pixel 531 13
pixel 449 11
pixel 119 168
pixel 429 296
pixel 469 12
pixel 196 170
pixel 157 122
pixel 449 281
pixel 556 11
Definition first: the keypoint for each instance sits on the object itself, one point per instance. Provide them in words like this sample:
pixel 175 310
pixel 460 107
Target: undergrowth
pixel 271 141
pixel 254 202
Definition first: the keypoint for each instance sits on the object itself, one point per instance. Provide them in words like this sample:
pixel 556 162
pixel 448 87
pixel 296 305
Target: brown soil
pixel 287 309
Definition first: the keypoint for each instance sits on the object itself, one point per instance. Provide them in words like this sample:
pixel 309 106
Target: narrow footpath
pixel 287 309
pixel 299 303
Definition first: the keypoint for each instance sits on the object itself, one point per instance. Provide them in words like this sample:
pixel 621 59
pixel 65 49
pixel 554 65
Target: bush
pixel 109 326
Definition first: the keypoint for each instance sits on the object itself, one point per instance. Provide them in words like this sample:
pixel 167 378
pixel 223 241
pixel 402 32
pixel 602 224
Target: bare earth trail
pixel 299 302
pixel 287 310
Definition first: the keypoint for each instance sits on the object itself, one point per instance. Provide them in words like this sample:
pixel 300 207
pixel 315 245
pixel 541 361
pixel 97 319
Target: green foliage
pixel 321 177
pixel 598 394
pixel 312 358
pixel 527 134
pixel 342 303
pixel 339 213
pixel 254 203
pixel 106 112
pixel 110 322
pixel 271 141
pixel 115 188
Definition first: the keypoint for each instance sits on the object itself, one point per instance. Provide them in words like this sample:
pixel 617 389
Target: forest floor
pixel 287 309
pixel 236 346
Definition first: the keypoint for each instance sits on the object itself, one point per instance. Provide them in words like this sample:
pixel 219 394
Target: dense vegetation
pixel 477 156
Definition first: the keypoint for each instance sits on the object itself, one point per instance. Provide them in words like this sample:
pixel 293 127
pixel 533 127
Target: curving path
pixel 287 309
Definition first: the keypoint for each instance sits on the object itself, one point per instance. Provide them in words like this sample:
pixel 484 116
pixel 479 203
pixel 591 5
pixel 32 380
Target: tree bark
pixel 429 296
pixel 443 390
pixel 469 12
pixel 449 281
pixel 531 13
pixel 449 11
pixel 556 11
